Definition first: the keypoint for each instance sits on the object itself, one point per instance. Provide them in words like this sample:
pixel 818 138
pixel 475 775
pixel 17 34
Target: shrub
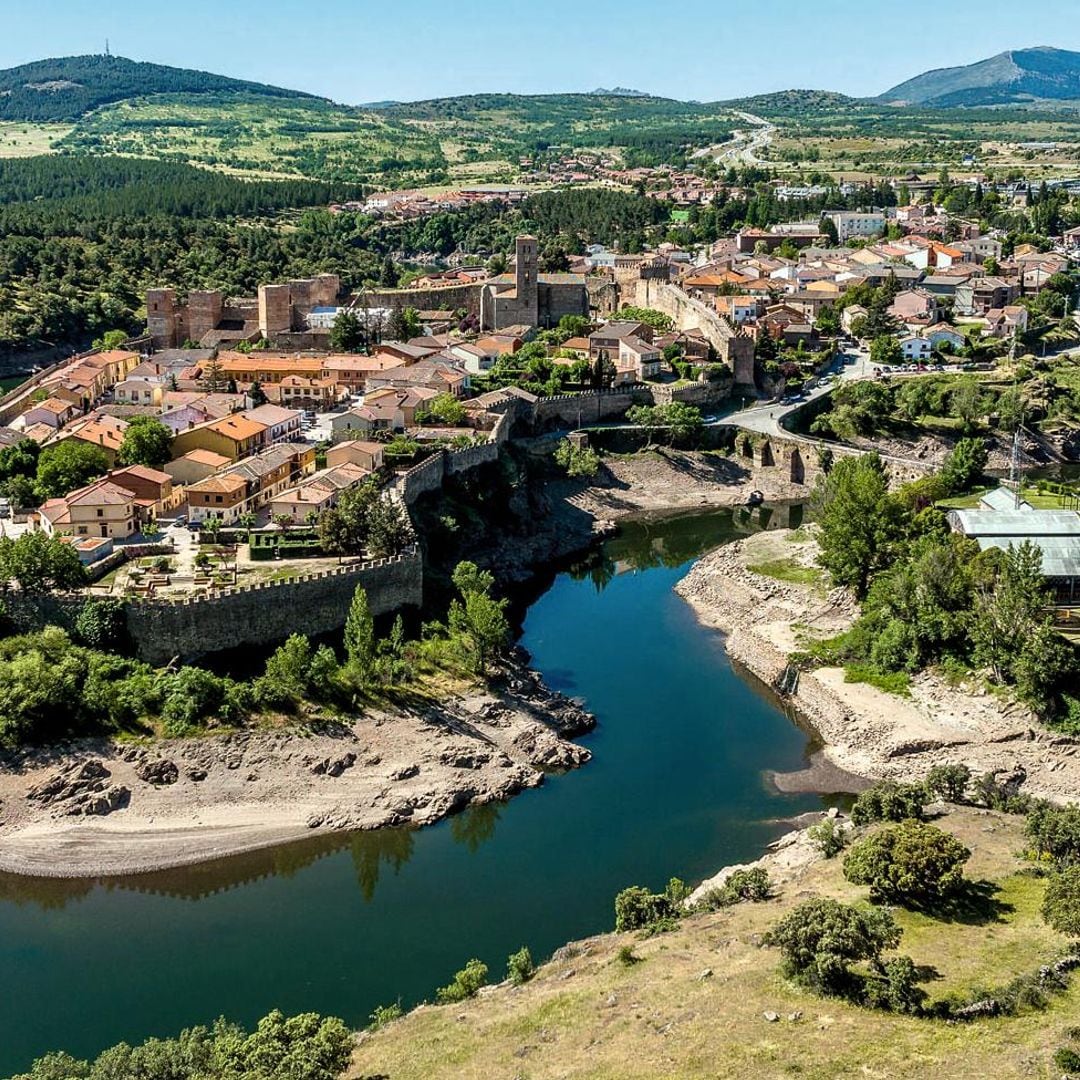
pixel 820 939
pixel 466 984
pixel 101 624
pixel 1067 1060
pixel 896 989
pixel 753 885
pixel 911 862
pixel 828 836
pixel 190 696
pixel 627 957
pixel 385 1014
pixel 889 801
pixel 1061 904
pixel 948 782
pixel 636 908
pixel 520 967
pixel 1054 833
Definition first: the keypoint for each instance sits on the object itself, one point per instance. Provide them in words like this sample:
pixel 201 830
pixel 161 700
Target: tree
pixel 636 908
pixel 257 394
pixel 911 863
pixel 404 323
pixel 444 409
pixel 39 563
pixel 68 465
pixel 360 636
pixel 1008 610
pixel 964 465
pixel 347 334
pixel 821 938
pixel 520 967
pixel 286 678
pixel 477 616
pixel 888 801
pixel 577 460
pixel 111 339
pixel 344 529
pixel 885 351
pixel 948 782
pixel 388 531
pixel 214 380
pixel 1061 902
pixel 967 402
pixel 860 521
pixel 660 322
pixel 147 441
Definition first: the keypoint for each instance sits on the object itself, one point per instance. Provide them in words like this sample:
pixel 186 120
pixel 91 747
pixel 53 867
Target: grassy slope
pixel 590 1016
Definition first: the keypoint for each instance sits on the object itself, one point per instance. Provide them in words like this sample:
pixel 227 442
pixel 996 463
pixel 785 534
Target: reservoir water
pixel 340 924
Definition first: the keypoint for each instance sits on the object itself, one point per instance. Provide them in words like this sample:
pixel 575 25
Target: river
pixel 340 924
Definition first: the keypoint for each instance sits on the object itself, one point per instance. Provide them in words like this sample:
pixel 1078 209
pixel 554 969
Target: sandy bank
pixel 864 730
pixel 102 808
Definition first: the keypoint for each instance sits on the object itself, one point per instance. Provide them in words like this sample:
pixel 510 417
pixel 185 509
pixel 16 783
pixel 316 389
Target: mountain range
pixel 1012 77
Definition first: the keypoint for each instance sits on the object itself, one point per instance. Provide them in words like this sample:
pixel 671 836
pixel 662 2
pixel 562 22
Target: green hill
pixel 66 88
pixel 1019 75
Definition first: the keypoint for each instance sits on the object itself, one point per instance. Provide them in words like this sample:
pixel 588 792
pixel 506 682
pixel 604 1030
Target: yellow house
pixel 101 509
pixel 234 437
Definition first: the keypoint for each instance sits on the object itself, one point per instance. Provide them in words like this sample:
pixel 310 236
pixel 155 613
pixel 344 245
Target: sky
pixel 706 50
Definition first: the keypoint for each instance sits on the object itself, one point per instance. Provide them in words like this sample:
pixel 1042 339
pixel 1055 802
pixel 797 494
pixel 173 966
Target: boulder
pixel 159 773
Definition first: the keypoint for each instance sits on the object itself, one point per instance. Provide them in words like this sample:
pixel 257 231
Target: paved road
pixel 743 146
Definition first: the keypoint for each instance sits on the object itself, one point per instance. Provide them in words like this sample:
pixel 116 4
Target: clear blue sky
pixel 372 50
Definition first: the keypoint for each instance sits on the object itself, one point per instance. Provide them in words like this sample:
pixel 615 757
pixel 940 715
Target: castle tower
pixel 161 318
pixel 275 309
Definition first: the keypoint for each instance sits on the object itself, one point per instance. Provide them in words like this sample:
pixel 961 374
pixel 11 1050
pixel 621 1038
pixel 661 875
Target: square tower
pixel 526 273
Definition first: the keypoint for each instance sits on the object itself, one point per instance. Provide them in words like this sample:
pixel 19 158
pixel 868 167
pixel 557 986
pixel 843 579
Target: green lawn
pixel 789 570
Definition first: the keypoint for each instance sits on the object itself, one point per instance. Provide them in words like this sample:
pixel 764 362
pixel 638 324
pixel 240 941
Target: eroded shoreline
pixel 104 808
pixel 865 731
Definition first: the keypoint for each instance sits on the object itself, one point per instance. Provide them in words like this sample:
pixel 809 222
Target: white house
pixel 915 348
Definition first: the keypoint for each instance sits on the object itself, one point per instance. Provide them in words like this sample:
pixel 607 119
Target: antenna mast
pixel 107 53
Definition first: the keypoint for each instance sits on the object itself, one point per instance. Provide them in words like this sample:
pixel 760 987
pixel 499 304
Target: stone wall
pixel 263 614
pixel 445 298
pixel 422 478
pixel 733 347
pixel 575 410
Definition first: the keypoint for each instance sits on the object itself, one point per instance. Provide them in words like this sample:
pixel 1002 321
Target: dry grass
pixel 590 1016
pixel 19 140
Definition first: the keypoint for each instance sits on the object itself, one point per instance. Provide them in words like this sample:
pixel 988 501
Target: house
pixel 297 392
pixel 1003 498
pixel 53 411
pixel 980 295
pixel 1004 322
pixel 101 509
pixel 604 342
pixel 219 496
pixel 281 424
pixel 235 436
pixel 195 465
pixel 850 314
pixel 152 488
pixel 409 401
pixel 642 357
pixel 104 432
pixel 353 372
pixel 914 307
pixel 318 493
pixel 368 455
pixel 944 335
pixel 366 419
pixel 263 367
pixel 740 309
pixel 915 347
pixel 474 357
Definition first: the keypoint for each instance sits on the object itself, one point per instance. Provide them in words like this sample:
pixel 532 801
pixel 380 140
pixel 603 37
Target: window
pixel 217 498
pixel 100 513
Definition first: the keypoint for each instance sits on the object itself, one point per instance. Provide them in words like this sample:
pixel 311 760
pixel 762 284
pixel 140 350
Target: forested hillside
pixel 66 87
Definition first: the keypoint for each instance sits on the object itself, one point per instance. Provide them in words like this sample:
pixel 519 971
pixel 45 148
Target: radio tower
pixel 107 53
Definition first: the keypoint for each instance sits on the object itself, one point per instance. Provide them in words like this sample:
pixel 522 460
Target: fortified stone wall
pixel 703 394
pixel 262 614
pixel 574 410
pixel 733 348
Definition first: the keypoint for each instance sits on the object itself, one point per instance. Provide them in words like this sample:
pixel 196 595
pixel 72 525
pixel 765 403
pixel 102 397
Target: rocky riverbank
pixel 105 808
pixel 863 730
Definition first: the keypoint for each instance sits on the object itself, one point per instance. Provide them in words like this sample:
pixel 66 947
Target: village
pixel 266 410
